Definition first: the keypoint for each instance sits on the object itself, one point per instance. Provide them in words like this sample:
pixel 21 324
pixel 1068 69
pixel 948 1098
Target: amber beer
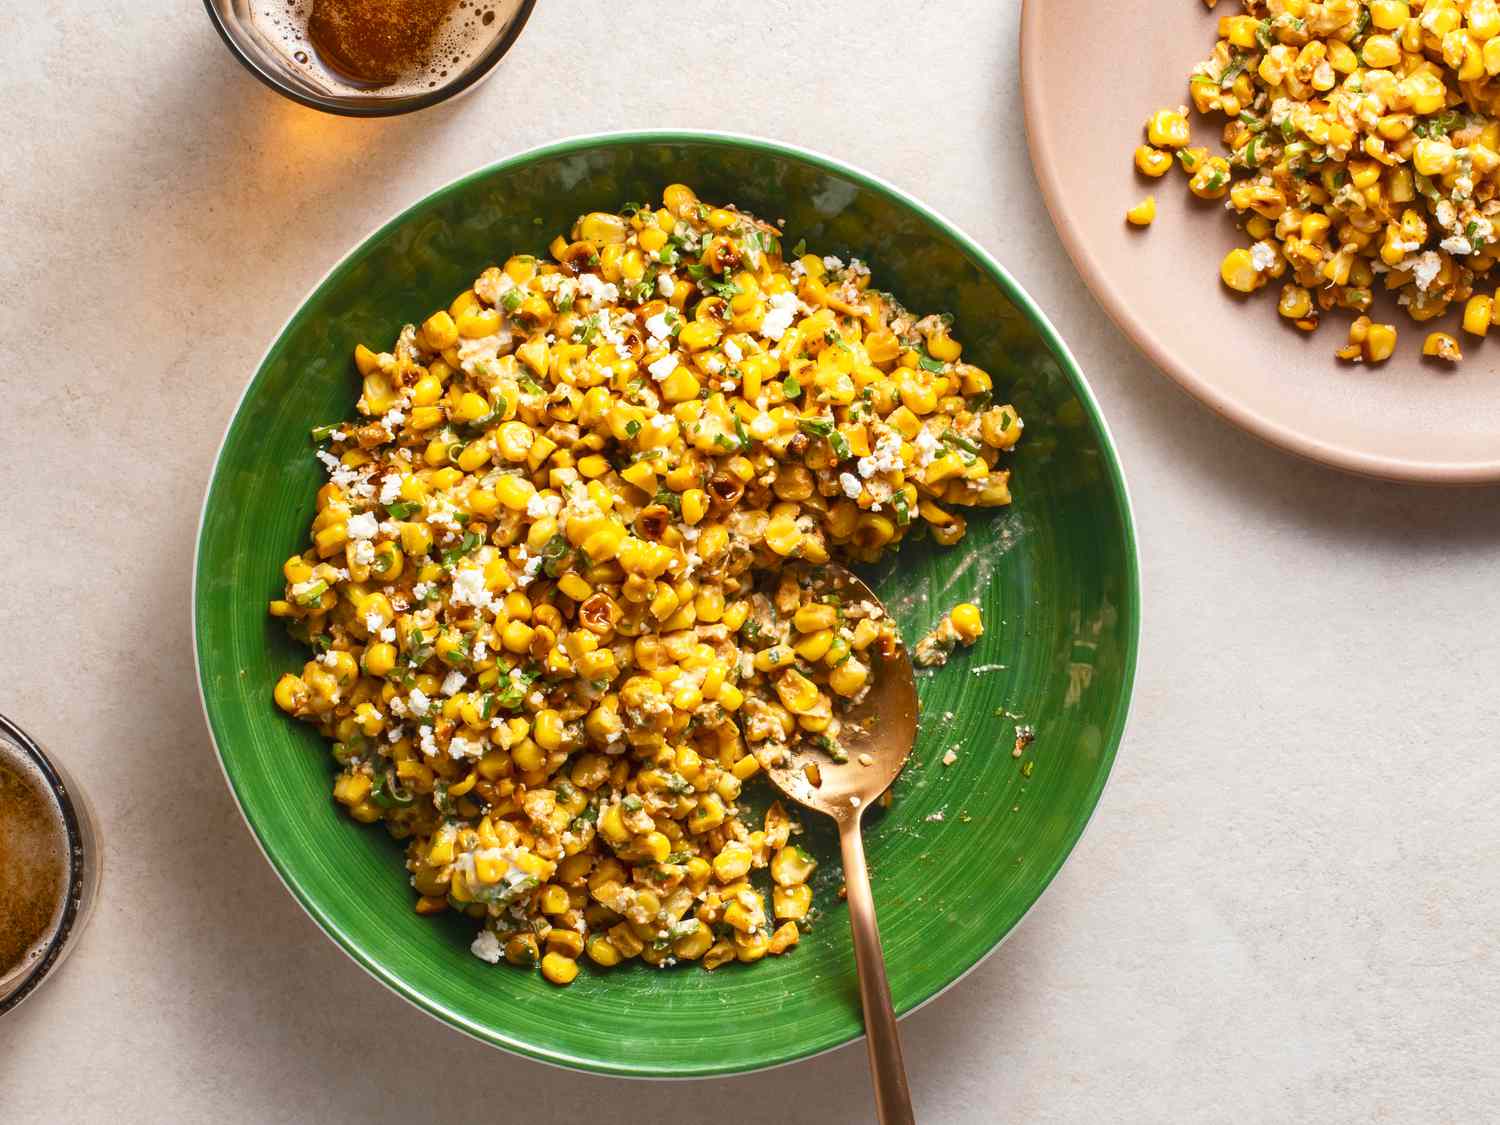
pixel 48 865
pixel 368 44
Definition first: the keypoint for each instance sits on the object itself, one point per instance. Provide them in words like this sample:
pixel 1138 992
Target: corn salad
pixel 1364 148
pixel 565 581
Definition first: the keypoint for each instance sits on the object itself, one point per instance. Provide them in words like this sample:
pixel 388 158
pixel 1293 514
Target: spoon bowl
pixel 878 733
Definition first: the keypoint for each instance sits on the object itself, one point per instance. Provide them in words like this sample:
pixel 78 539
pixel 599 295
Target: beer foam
pixel 33 863
pixel 465 34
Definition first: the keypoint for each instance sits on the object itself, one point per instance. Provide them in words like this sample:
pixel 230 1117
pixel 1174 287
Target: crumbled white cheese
pixel 663 367
pixel 390 488
pixel 388 634
pixel 541 505
pixel 363 526
pixel 473 355
pixel 421 590
pixel 1262 256
pixel 949 757
pixel 886 457
pixel 374 622
pixel 832 263
pixel 418 701
pixel 487 947
pixel 609 331
pixel 363 553
pixel 492 285
pixel 596 289
pixel 927 448
pixel 779 318
pixel 851 485
pixel 461 747
pixel 530 571
pixel 665 284
pixel 732 350
pixel 1426 268
pixel 340 476
pixel 1456 244
pixel 469 587
pixel 659 327
pixel 427 742
pixel 453 682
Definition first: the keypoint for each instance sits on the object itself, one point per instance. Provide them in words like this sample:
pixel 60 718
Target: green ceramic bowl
pixel 965 850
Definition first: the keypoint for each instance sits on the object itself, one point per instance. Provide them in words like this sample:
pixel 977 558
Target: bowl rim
pixel 1130 595
pixel 343 106
pixel 1116 302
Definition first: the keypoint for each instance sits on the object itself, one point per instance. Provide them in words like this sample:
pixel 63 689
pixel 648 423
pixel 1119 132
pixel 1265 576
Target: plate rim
pixel 1117 306
pixel 1130 595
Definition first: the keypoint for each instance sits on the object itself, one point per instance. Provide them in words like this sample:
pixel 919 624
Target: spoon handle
pixel 892 1098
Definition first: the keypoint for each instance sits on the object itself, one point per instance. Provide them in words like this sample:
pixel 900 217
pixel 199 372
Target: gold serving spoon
pixel 879 733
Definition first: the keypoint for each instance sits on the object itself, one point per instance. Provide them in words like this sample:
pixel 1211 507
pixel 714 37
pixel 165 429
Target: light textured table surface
pixel 1286 907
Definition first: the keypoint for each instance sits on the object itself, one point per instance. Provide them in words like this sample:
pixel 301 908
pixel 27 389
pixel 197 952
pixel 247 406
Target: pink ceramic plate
pixel 1091 74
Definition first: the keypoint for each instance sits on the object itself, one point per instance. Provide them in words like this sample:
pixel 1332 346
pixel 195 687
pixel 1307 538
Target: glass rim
pixel 57 785
pixel 354 106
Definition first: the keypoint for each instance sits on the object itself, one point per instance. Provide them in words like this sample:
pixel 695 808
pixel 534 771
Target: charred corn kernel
pixel 1380 51
pixel 814 616
pixel 1440 345
pixel 1167 128
pixel 967 622
pixel 783 939
pixel 1239 273
pixel 439 332
pixel 559 969
pixel 1152 161
pixel 792 865
pixel 791 902
pixel 1369 341
pixel 1477 314
pixel 1143 214
pixel 1433 157
pixel 1295 303
pixel 291 693
pixel 732 863
pixel 1211 180
pixel 602 951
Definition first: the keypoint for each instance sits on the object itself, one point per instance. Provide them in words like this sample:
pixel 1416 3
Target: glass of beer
pixel 49 865
pixel 370 58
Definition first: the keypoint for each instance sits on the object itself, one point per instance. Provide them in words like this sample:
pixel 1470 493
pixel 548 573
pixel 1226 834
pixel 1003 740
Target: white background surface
pixel 1286 908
